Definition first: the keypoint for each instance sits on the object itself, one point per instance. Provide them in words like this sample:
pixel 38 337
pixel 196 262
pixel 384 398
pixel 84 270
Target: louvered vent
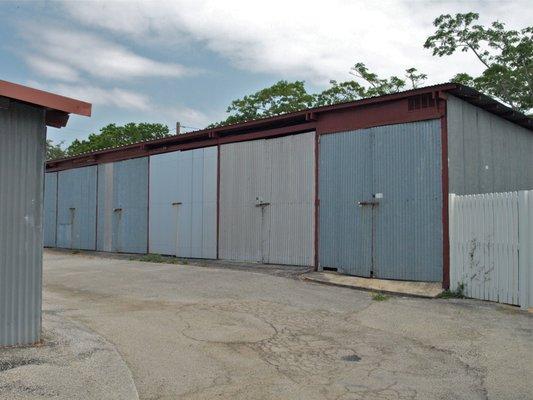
pixel 421 101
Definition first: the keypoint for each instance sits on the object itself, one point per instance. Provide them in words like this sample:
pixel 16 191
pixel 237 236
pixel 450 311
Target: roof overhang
pixel 290 123
pixel 491 105
pixel 57 107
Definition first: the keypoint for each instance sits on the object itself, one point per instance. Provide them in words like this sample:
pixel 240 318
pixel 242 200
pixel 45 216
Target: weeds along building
pixel 359 187
pixel 24 115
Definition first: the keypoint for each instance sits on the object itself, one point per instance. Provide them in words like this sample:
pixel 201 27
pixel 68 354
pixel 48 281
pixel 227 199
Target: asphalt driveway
pixel 191 332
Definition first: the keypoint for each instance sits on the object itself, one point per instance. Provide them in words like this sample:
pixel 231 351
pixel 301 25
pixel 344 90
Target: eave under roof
pixel 57 107
pixel 303 117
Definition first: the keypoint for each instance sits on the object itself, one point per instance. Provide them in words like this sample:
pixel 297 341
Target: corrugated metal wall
pixel 400 237
pixel 345 174
pixel 486 153
pixel 76 208
pixel 22 146
pixel 292 200
pixel 183 203
pixel 50 209
pixel 267 200
pixel 123 206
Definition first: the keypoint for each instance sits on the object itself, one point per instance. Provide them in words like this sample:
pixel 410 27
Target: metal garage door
pixel 183 203
pixel 50 209
pixel 266 200
pixel 76 208
pixel 345 173
pixel 123 206
pixel 381 202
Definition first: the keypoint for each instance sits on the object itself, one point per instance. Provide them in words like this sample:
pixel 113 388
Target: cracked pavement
pixel 203 332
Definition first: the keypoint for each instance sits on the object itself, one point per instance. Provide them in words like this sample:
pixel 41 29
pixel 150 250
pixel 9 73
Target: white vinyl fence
pixel 491 246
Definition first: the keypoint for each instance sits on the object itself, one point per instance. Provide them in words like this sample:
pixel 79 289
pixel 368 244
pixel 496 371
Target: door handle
pixel 367 203
pixel 262 204
pixel 176 203
pixel 117 209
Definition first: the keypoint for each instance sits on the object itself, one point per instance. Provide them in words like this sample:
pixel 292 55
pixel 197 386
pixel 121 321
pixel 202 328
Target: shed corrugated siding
pixel 243 168
pixel 189 178
pixel 50 209
pixel 404 232
pixel 292 200
pixel 345 171
pixel 76 208
pixel 22 144
pixel 486 153
pixel 408 223
pixel 276 171
pixel 123 206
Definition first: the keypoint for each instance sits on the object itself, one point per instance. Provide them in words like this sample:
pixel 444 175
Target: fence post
pixel 451 240
pixel 525 248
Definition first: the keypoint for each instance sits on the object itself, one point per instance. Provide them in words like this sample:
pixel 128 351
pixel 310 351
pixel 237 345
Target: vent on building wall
pixel 421 101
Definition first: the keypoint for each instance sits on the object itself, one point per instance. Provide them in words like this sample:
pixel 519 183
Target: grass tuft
pixel 459 293
pixel 379 296
pixel 158 258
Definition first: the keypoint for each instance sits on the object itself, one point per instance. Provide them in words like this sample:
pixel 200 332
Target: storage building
pixel 24 115
pixel 359 187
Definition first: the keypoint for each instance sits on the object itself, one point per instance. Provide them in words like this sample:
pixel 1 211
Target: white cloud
pixel 60 54
pixel 47 67
pixel 188 117
pixel 95 95
pixel 129 100
pixel 313 40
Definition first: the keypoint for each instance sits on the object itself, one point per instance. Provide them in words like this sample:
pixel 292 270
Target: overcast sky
pixel 164 61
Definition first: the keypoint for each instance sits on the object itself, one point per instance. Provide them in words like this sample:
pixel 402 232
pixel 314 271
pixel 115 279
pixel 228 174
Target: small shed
pixel 24 115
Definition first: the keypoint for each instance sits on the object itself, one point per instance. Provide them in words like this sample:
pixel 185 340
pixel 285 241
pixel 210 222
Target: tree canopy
pixel 111 135
pixel 54 151
pixel 284 97
pixel 507 56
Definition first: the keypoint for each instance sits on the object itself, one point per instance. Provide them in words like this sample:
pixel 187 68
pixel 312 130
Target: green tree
pixel 113 136
pixel 284 97
pixel 372 86
pixel 281 98
pixel 54 151
pixel 507 56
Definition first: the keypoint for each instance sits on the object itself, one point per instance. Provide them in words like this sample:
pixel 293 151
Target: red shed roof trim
pixel 58 107
pixel 298 121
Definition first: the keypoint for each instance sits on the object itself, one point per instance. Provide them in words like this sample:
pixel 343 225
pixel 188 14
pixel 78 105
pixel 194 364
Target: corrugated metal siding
pixel 123 206
pixel 401 238
pixel 22 144
pixel 50 209
pixel 345 174
pixel 486 153
pixel 408 220
pixel 76 208
pixel 243 177
pixel 187 229
pixel 292 209
pixel 279 172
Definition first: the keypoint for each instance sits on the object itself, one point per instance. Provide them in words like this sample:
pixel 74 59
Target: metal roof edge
pixel 48 100
pixel 298 117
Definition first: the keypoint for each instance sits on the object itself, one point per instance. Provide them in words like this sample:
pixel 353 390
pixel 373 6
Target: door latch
pixel 367 203
pixel 259 202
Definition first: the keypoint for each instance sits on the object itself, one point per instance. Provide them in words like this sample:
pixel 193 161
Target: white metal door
pixel 267 200
pixel 183 188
